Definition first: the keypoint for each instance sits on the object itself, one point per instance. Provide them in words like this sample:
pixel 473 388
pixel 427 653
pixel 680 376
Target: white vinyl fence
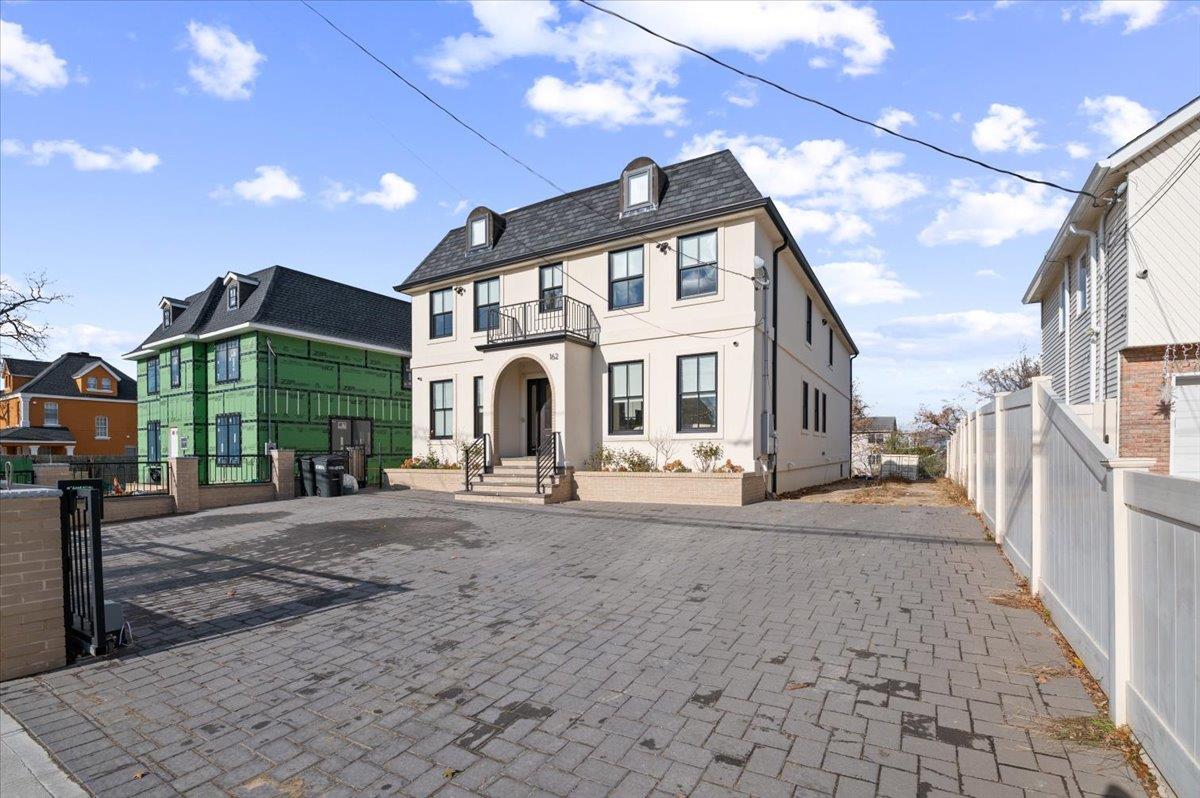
pixel 1113 552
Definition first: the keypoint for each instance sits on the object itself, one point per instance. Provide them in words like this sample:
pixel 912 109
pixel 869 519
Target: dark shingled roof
pixel 19 367
pixel 302 303
pixel 37 435
pixel 876 424
pixel 700 187
pixel 58 378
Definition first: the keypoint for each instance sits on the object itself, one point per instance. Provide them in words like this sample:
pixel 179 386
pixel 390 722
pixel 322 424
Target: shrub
pixel 633 460
pixel 430 460
pixel 707 454
pixel 676 467
pixel 729 468
pixel 601 459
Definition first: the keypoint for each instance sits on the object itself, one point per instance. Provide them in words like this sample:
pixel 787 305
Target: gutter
pixel 775 367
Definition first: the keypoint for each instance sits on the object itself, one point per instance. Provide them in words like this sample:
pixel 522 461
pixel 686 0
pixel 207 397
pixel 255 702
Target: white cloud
pixel 100 341
pixel 335 193
pixel 394 193
pixel 987 273
pixel 605 103
pixel 820 185
pixel 863 283
pixel 622 67
pixel 1118 118
pixel 894 119
pixel 939 334
pixel 1006 127
pixel 991 217
pixel 537 129
pixel 746 95
pixel 1078 150
pixel 106 159
pixel 1138 14
pixel 225 65
pixel 27 65
pixel 273 183
pixel 819 62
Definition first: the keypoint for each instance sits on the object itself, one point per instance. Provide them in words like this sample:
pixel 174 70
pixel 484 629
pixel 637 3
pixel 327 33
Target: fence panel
pixel 1077 562
pixel 1164 683
pixel 1017 513
pixel 987 463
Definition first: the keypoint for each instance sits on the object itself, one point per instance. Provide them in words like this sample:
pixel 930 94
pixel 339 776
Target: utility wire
pixel 491 143
pixel 834 109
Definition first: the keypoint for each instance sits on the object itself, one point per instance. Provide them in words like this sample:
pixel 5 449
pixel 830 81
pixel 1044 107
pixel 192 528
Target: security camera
pixel 1142 274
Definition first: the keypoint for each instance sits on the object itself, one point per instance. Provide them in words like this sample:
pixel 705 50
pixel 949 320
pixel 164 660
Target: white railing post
pixel 1037 474
pixel 1001 520
pixel 1119 656
pixel 978 463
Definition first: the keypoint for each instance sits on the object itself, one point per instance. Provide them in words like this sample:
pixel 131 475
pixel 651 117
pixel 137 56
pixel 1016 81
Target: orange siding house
pixel 76 405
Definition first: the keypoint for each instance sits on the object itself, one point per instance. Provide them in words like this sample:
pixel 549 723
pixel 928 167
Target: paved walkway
pixel 26 770
pixel 403 643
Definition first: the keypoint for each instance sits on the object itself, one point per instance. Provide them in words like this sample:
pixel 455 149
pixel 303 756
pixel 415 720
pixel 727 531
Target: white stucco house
pixel 669 304
pixel 1119 290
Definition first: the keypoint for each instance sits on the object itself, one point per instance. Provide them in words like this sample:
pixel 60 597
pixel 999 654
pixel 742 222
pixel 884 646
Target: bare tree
pixel 858 407
pixel 1012 376
pixel 663 444
pixel 937 425
pixel 17 326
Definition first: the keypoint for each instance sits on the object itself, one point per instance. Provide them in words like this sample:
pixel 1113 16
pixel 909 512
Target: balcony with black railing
pixel 549 319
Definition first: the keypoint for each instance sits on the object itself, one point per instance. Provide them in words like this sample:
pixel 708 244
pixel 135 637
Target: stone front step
pixel 493 497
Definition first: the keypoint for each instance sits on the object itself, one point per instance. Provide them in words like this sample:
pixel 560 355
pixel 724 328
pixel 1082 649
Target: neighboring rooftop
pixel 58 378
pixel 700 187
pixel 19 367
pixel 301 303
pixel 876 424
pixel 36 435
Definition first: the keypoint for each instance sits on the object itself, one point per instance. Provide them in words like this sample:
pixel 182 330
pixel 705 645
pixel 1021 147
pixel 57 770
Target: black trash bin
pixel 308 477
pixel 329 469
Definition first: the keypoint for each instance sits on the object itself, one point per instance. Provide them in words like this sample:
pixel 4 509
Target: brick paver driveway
pixel 402 643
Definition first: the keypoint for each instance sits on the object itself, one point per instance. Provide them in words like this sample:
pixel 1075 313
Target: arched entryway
pixel 522 408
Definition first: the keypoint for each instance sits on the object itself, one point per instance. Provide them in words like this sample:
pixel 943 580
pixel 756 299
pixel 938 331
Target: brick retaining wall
pixel 32 638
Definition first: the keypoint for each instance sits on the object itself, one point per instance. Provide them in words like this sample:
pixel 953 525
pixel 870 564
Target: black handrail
pixel 546 459
pixel 561 315
pixel 476 459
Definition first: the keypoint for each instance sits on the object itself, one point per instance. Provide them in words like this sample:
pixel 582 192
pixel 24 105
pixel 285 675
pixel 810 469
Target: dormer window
pixel 91 383
pixel 637 189
pixel 478 232
pixel 105 384
pixel 642 186
pixel 166 317
pixel 231 301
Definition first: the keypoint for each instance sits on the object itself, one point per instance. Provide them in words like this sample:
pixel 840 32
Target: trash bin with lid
pixel 329 469
pixel 308 478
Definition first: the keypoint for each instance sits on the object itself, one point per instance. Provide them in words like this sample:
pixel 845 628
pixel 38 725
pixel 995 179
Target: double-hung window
pixel 1082 282
pixel 804 403
pixel 696 409
pixel 91 383
pixel 152 375
pixel 487 304
pixel 231 301
pixel 478 382
pixel 625 398
pixel 441 409
pixel 626 278
pixel 101 428
pixel 697 265
pixel 50 414
pixel 550 288
pixel 229 360
pixel 824 412
pixel 176 368
pixel 831 345
pixel 166 318
pixel 808 314
pixel 816 409
pixel 154 441
pixel 441 313
pixel 229 439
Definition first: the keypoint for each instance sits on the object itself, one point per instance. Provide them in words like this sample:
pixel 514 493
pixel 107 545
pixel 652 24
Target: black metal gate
pixel 83 570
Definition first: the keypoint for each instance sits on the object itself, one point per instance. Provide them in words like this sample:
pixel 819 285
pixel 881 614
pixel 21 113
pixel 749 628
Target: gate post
pixel 283 467
pixel 1037 476
pixel 185 483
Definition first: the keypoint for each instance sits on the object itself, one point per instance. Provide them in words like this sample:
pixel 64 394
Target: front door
pixel 538 412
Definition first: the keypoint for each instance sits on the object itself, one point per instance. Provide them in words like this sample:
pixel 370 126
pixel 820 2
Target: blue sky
pixel 150 147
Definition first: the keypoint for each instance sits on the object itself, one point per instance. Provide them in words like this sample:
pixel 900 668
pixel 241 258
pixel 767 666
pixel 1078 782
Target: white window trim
pixel 471 232
pixel 98 436
pixel 629 178
pixel 45 409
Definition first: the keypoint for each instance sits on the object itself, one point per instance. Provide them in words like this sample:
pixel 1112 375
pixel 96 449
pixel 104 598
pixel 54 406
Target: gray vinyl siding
pixel 1117 281
pixel 1052 341
pixel 1081 339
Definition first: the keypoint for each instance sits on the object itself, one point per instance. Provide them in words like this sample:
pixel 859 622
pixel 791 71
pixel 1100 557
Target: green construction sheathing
pixel 312 382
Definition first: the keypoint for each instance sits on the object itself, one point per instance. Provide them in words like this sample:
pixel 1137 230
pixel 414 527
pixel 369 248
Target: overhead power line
pixel 834 109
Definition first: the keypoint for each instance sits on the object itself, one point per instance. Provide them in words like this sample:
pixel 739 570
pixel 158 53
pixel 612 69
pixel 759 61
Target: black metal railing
pixel 243 469
pixel 476 459
pixel 125 477
pixel 546 460
pixel 526 321
pixel 80 512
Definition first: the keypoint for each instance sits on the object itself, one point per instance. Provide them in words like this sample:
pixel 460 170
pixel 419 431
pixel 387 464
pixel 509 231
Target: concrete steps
pixel 515 482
